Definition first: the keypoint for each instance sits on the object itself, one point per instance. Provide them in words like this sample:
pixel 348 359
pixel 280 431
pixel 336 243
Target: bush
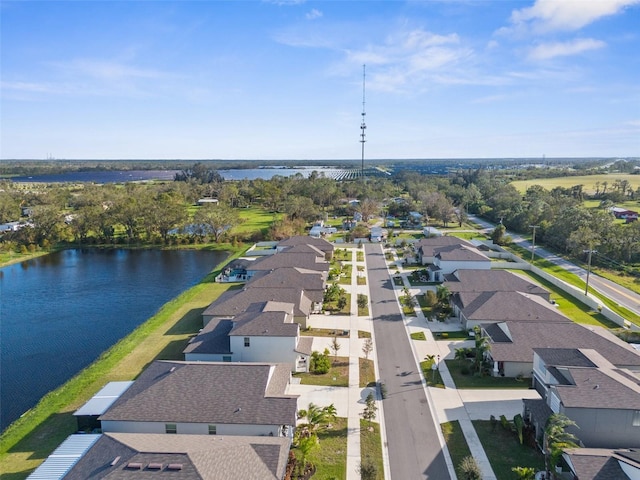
pixel 368 470
pixel 319 363
pixel 465 370
pixel 469 469
pixel 444 335
pixel 430 298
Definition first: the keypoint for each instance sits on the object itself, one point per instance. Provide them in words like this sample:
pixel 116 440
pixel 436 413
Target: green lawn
pixel 371 445
pixel 337 376
pixel 572 308
pixel 504 450
pixel 432 377
pixel 364 334
pixel 418 336
pixel 589 182
pixel 324 332
pixel 473 381
pixel 254 219
pixel 367 373
pixel 333 306
pixel 345 278
pixel 452 334
pixel 342 255
pixel 456 442
pixel 330 455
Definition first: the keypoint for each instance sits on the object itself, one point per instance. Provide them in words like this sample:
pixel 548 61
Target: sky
pixel 283 79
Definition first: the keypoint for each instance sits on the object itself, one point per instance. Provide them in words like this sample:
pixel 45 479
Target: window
pixel 226 358
pixel 170 428
pixel 247 341
pixel 212 430
pixel 636 419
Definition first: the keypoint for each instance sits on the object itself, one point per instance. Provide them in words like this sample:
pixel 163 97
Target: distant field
pixel 588 182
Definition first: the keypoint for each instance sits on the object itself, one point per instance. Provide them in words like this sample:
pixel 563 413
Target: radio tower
pixel 363 126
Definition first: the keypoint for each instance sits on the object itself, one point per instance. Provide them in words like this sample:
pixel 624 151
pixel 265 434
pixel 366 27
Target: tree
pixel 556 438
pixel 216 219
pixel 469 469
pixel 480 349
pixel 367 347
pixel 318 417
pixel 319 363
pixel 370 409
pixel 305 445
pixel 498 234
pixel 362 300
pixel 335 347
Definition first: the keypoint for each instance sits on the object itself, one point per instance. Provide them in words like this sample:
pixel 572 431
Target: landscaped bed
pixel 324 332
pixel 471 380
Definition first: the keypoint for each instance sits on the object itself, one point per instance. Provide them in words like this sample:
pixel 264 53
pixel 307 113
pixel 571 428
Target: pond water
pixel 59 312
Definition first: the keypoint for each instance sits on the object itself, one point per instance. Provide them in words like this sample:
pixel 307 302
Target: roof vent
pixel 115 461
pixel 596 387
pixel 238 410
pixel 174 466
pixel 134 466
pixel 155 466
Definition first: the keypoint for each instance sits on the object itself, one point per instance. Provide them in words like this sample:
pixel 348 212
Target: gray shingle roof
pixel 490 280
pixel 200 457
pixel 502 306
pixel 208 392
pixel 308 261
pixel 595 463
pixel 304 345
pixel 565 357
pixel 213 338
pixel 238 301
pixel 525 336
pixel 426 246
pixel 312 281
pixel 460 253
pixel 264 324
pixel 319 243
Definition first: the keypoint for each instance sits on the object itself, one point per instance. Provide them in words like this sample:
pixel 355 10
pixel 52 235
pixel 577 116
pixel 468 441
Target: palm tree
pixel 556 439
pixel 317 416
pixel 481 348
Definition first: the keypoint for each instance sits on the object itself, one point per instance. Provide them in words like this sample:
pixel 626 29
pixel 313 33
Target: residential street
pixel 412 435
pixel 617 293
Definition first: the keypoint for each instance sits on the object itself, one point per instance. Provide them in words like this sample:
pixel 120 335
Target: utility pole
pixel 363 126
pixel 590 251
pixel 533 241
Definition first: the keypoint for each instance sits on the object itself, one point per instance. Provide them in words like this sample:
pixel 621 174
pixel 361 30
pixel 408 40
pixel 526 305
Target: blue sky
pixel 283 79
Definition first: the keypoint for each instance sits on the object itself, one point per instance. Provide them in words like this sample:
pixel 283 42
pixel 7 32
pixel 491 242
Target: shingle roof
pixel 502 306
pixel 319 243
pixel 490 280
pixel 460 253
pixel 565 357
pixel 304 248
pixel 304 345
pixel 200 457
pixel 308 261
pixel 208 392
pixel 525 336
pixel 596 463
pixel 427 245
pixel 312 281
pixel 599 388
pixel 213 338
pixel 237 302
pixel 264 324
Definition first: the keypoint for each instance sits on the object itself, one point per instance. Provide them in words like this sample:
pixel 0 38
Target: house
pixel 602 399
pixel 482 308
pixel 188 457
pixel 448 259
pixel 624 214
pixel 378 234
pixel 319 243
pixel 425 247
pixel 602 464
pixel 202 398
pixel 207 201
pixel 512 344
pixel 265 332
pixel 12 226
pixel 306 260
pixel 492 281
pixel 235 271
pixel 87 415
pixel 233 302
pixel 311 281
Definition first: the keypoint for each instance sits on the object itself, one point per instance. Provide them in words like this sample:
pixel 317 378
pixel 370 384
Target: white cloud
pixel 546 51
pixel 107 70
pixel 566 15
pixel 313 14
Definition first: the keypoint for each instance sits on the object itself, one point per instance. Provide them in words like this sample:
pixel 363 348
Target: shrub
pixel 430 298
pixel 465 370
pixel 362 300
pixel 445 335
pixel 469 469
pixel 368 470
pixel 319 363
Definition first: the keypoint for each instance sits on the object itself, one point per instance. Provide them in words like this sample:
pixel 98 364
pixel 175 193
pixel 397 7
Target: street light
pixel 533 241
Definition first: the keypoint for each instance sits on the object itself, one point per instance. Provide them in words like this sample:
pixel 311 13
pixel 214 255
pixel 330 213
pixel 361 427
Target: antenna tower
pixel 363 126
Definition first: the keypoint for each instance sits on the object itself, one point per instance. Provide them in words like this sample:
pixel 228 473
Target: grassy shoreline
pixel 31 438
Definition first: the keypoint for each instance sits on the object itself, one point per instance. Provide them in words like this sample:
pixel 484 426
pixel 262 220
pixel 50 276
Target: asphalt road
pixel 413 444
pixel 622 296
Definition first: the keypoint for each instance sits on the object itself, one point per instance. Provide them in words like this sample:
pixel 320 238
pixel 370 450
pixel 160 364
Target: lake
pixel 59 312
